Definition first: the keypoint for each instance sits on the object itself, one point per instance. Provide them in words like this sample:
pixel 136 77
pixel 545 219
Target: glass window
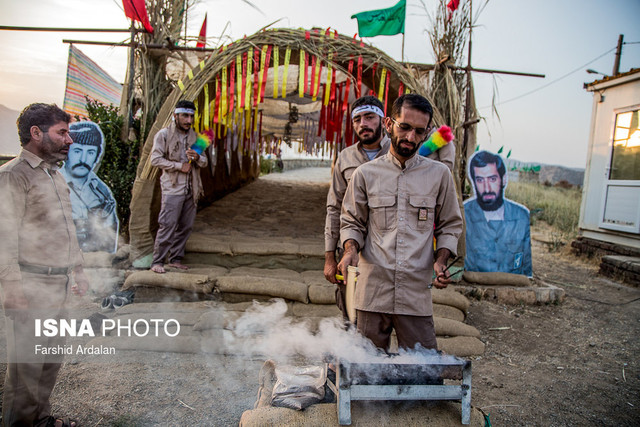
pixel 625 161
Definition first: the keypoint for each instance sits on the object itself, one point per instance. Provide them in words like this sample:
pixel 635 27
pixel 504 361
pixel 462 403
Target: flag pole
pixel 402 47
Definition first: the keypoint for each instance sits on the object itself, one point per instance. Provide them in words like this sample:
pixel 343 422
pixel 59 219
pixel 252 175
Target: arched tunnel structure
pixel 270 88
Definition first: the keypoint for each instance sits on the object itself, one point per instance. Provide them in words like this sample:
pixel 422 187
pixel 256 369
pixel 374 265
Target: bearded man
pixel 498 235
pixel 392 209
pixel 367 119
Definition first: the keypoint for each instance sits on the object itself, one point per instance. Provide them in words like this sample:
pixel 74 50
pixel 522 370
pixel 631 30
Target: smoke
pixel 265 330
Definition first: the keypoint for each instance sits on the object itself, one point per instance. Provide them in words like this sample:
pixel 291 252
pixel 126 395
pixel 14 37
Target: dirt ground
pixel 571 364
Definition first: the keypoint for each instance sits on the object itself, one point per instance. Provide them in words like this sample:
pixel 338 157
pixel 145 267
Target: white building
pixel 610 210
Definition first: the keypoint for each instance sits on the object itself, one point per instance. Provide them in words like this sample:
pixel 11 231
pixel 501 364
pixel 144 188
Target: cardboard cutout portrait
pixel 498 234
pixel 92 204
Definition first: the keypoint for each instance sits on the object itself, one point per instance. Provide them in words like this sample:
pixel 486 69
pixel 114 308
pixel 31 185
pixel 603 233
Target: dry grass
pixel 558 207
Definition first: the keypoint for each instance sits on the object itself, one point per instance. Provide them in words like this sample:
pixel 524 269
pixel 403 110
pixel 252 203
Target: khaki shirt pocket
pixel 421 212
pixel 383 212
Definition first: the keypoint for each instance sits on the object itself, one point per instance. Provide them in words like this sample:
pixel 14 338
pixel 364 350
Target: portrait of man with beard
pixel 92 204
pixel 498 235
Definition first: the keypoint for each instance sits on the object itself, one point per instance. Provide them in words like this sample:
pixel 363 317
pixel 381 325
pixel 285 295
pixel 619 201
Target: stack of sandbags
pixel 454 336
pixel 170 286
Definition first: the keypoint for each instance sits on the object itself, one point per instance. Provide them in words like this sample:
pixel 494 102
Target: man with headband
pixel 367 119
pixel 392 209
pixel 180 184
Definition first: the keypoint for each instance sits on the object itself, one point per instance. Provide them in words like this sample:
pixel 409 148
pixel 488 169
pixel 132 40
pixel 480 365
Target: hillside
pixel 9 142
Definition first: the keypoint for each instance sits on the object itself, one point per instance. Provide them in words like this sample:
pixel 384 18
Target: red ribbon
pixel 265 72
pixel 400 89
pixel 244 78
pixel 306 73
pixel 373 79
pixel 256 71
pixel 232 87
pixel 386 92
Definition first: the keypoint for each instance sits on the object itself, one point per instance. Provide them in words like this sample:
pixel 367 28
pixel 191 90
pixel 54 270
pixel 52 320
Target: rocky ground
pixel 569 364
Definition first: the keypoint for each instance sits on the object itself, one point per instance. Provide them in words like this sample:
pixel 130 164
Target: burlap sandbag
pixel 287 289
pixel 203 243
pixel 379 413
pixel 461 346
pixel 212 272
pixel 164 344
pixel 185 319
pixel 188 282
pixel 450 297
pixel 216 320
pixel 448 312
pixel 322 293
pixel 273 273
pixel 314 277
pixel 497 279
pixel 265 247
pixel 166 307
pixel 453 328
pixel 315 310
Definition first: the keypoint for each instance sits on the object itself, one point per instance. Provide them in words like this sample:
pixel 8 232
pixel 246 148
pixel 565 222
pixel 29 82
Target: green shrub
pixel 558 207
pixel 118 167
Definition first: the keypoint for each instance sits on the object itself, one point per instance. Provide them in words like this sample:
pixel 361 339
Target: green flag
pixel 382 22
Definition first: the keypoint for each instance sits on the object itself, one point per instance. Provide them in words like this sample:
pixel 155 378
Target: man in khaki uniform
pixel 367 118
pixel 392 209
pixel 38 254
pixel 181 186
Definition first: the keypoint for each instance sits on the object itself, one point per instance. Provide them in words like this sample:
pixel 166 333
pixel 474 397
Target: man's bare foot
pixel 178 265
pixel 158 269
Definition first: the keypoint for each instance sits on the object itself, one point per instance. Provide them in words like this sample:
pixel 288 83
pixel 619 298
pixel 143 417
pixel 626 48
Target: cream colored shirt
pixel 348 160
pixel 391 212
pixel 446 155
pixel 35 217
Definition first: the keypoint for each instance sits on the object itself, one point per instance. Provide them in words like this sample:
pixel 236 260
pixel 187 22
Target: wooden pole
pixel 616 64
pixel 65 30
pixel 402 47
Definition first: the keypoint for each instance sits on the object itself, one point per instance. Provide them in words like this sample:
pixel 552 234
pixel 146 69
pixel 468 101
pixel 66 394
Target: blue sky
pixel 556 38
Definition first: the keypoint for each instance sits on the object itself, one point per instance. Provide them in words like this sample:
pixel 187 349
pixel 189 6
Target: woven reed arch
pixel 273 87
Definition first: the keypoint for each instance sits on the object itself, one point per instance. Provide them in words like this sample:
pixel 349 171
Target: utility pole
pixel 616 64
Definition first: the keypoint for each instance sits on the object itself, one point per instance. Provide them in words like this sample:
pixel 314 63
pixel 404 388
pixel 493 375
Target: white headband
pixel 367 108
pixel 184 111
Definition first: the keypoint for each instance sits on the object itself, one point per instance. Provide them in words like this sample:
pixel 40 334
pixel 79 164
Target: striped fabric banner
pixel 85 77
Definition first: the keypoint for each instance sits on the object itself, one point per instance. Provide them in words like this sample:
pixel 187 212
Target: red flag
pixel 453 5
pixel 202 38
pixel 136 10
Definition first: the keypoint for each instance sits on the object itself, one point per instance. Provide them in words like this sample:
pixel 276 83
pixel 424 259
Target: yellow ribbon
pixel 285 74
pixel 301 68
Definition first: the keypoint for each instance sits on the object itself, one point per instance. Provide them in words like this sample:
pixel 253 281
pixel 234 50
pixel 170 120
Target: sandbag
pixel 453 328
pixel 450 297
pixel 497 279
pixel 184 319
pixel 315 310
pixel 202 243
pixel 274 273
pixel 188 282
pixel 287 289
pixel 322 293
pixel 448 312
pixel 216 320
pixel 379 413
pixel 166 307
pixel 461 346
pixel 212 272
pixel 315 277
pixel 265 247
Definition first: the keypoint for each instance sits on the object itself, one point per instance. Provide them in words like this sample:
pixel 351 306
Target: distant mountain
pixel 9 141
pixel 549 174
